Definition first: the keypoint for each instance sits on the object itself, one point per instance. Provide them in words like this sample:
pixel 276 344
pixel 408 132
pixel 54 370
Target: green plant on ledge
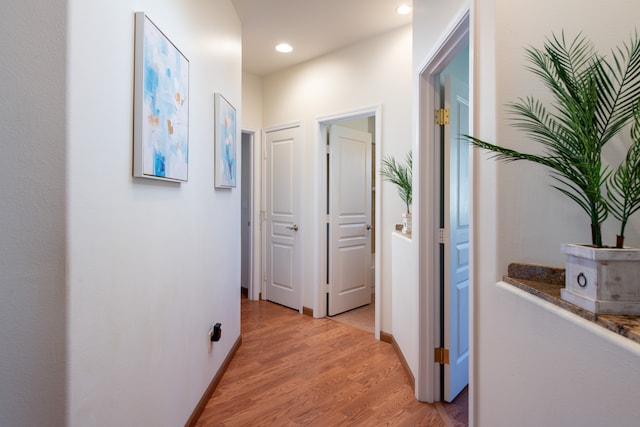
pixel 593 99
pixel 623 188
pixel 400 175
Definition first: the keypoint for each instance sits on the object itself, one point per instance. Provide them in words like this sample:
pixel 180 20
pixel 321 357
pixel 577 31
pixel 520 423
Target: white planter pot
pixel 406 223
pixel 602 280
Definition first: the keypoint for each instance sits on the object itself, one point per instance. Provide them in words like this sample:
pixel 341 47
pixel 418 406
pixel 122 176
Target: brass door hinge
pixel 441 356
pixel 442 117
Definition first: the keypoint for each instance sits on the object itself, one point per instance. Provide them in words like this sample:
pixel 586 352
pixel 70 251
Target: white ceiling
pixel 312 27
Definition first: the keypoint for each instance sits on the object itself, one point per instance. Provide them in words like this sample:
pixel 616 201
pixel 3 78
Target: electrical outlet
pixel 210 338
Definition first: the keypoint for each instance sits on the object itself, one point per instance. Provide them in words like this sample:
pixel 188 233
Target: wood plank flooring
pixel 293 370
pixel 362 318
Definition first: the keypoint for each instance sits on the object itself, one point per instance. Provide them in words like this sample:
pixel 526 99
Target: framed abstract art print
pixel 225 143
pixel 161 105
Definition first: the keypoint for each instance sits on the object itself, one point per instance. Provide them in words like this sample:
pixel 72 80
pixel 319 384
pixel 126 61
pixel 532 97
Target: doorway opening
pixel 349 273
pixel 249 284
pixel 444 248
pixel 454 220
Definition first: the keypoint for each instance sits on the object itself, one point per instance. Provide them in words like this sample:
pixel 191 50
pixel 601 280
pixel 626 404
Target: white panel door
pixel 456 295
pixel 349 219
pixel 282 218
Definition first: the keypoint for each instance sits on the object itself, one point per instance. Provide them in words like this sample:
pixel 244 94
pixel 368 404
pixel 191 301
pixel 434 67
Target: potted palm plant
pixel 401 175
pixel 594 98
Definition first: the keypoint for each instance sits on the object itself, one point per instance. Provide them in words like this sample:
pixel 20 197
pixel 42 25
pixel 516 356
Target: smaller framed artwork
pixel 225 143
pixel 161 105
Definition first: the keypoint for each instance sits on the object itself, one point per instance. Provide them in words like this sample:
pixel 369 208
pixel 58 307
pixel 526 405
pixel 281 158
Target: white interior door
pixel 283 258
pixel 349 219
pixel 456 285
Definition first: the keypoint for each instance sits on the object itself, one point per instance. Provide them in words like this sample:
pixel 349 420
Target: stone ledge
pixel 398 231
pixel 546 283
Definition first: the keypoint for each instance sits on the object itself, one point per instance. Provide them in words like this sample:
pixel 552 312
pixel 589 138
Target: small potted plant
pixel 594 98
pixel 401 175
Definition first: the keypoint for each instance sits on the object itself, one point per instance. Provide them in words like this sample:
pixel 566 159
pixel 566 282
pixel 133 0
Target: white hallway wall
pixel 32 212
pixel 532 364
pixel 374 72
pixel 150 264
pixel 251 102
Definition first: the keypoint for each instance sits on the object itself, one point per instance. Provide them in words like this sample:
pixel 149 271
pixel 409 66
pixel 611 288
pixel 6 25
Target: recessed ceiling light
pixel 404 9
pixel 284 48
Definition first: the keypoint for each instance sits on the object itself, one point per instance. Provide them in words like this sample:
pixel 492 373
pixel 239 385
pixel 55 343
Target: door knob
pixel 293 227
pixel 368 226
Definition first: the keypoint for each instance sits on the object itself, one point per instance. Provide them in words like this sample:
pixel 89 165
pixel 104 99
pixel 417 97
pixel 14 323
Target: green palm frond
pixel 401 175
pixel 617 106
pixel 623 189
pixel 593 99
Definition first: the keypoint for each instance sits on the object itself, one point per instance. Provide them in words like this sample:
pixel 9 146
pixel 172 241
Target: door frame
pixel 428 376
pixel 320 287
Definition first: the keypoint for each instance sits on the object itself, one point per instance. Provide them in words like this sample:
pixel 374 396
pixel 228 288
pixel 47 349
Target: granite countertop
pixel 546 282
pixel 399 231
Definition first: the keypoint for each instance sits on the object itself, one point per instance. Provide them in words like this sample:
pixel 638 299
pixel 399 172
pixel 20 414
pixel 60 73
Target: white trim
pixel 263 214
pixel 472 223
pixel 320 302
pixel 282 127
pixel 428 373
pixel 349 115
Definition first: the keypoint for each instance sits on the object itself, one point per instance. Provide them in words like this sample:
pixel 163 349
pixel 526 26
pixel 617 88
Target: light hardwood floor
pixel 293 370
pixel 362 318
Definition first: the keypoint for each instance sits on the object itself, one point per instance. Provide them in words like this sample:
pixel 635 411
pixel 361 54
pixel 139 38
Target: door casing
pixel 427 157
pixel 320 287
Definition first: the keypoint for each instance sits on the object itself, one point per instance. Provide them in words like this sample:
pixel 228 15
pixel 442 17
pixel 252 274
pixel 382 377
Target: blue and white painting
pixel 225 143
pixel 165 107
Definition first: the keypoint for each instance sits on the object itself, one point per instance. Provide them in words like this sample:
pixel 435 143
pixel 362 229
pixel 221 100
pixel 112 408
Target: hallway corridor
pixel 293 370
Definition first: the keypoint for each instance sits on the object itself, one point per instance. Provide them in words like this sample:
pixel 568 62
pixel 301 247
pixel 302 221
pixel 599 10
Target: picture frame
pixel 161 105
pixel 226 151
